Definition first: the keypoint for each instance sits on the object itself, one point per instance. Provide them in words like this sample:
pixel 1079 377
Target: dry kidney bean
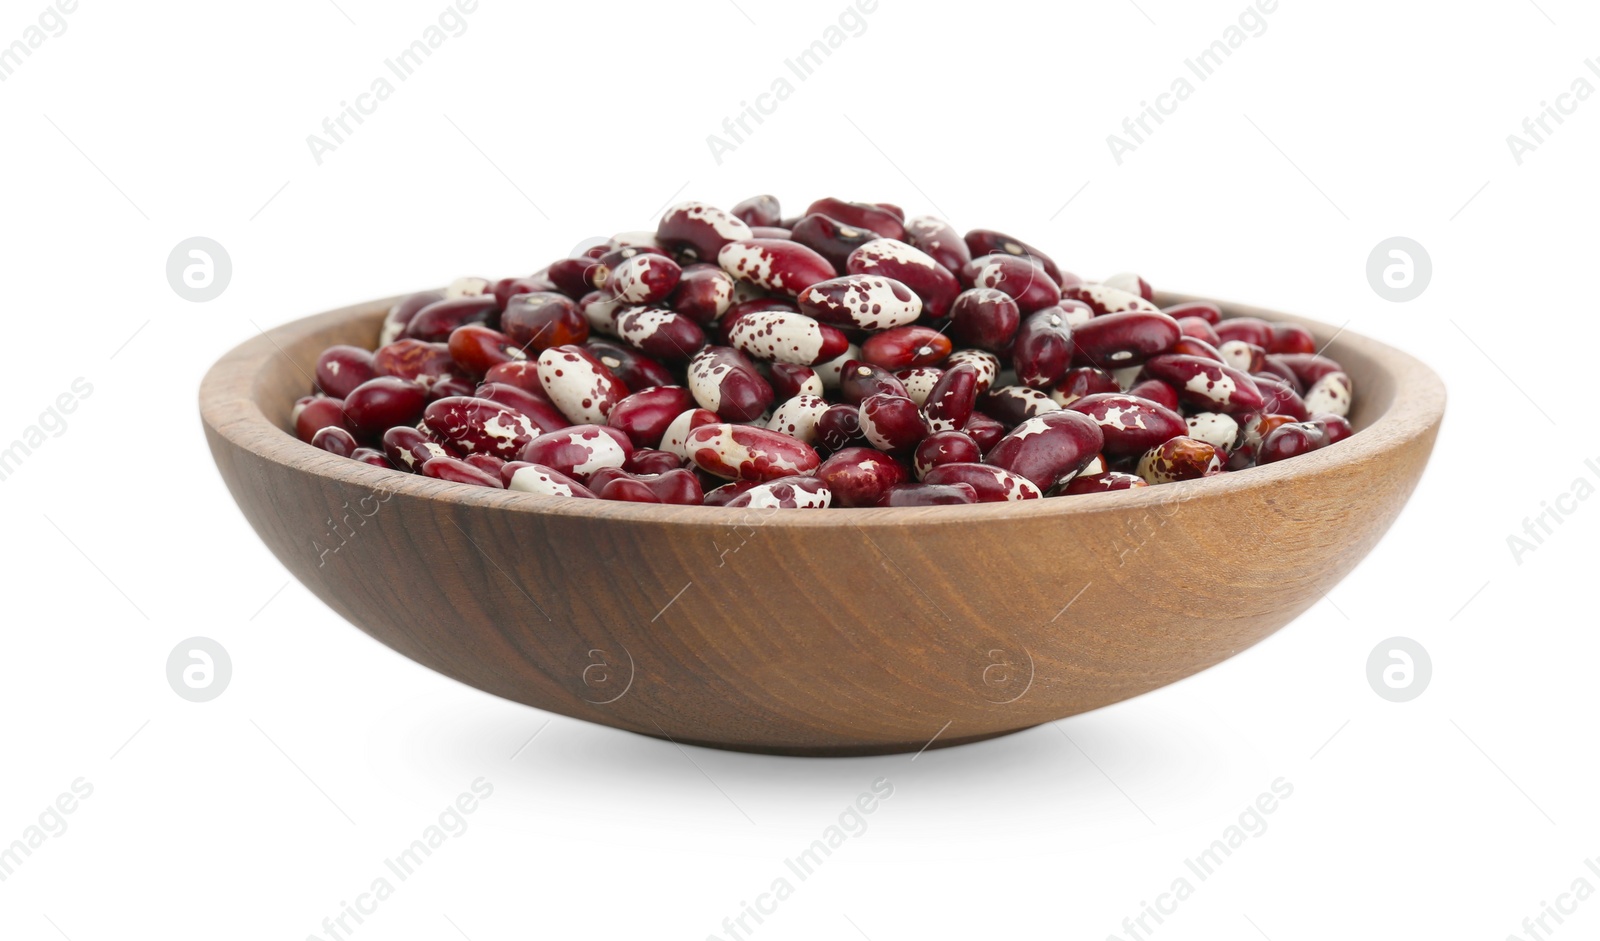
pixel 902 347
pixel 919 381
pixel 789 493
pixel 699 230
pixel 651 461
pixel 1210 313
pixel 316 412
pixel 989 483
pixel 1019 278
pixel 676 437
pixel 469 425
pixel 578 384
pixel 679 487
pixel 985 430
pixel 643 279
pixel 408 448
pixel 797 417
pixel 892 422
pixel 759 210
pixel 661 333
pixel 862 302
pixel 1130 425
pixel 791 379
pixel 636 370
pixel 1132 283
pixel 704 293
pixel 860 476
pixel 839 426
pixel 536 478
pixel 1207 384
pixel 427 363
pixel 886 222
pixel 1042 352
pixel 400 314
pixel 379 404
pixel 723 380
pixel 830 238
pixel 1013 405
pixel 644 416
pixel 945 447
pixel 858 380
pixel 578 451
pixel 1100 483
pixel 1104 299
pixel 458 471
pixel 952 399
pixel 434 322
pixel 779 335
pixel 1049 447
pixel 928 281
pixel 536 322
pixel 774 264
pixel 342 368
pixel 537 408
pixel 478 349
pixel 1119 340
pixel 746 452
pixel 985 318
pixel 599 361
pixel 1180 458
pixel 335 440
pixel 940 241
pixel 989 242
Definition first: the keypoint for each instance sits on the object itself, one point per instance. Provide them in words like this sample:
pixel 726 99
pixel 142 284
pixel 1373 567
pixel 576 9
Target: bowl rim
pixel 229 409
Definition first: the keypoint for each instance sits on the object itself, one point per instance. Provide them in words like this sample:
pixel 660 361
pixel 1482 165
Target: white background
pixel 256 815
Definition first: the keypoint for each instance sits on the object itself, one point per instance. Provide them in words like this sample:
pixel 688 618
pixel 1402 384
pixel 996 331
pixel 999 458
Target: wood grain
pixel 842 632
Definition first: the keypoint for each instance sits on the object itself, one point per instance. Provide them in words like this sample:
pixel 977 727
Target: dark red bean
pixel 1042 352
pixel 678 486
pixel 901 347
pixel 394 323
pixel 335 440
pixel 759 210
pixel 1210 313
pixel 478 349
pixel 1080 381
pixel 1116 341
pixel 537 322
pixel 1249 329
pixel 1280 398
pixel 989 242
pixel 858 381
pixel 1200 329
pixel 1012 405
pixel 1291 440
pixel 699 230
pixel 644 416
pixel 1205 384
pixel 940 241
pixel 1130 425
pixel 379 404
pixel 342 368
pixel 1156 391
pixel 1292 338
pixel 457 471
pixel 929 495
pixel 427 363
pixel 1048 448
pixel 830 238
pixel 945 447
pixel 839 427
pixel 990 484
pixel 704 293
pixel 1101 483
pixel 791 379
pixel 636 370
pixel 860 476
pixel 407 448
pixel 372 456
pixel 984 318
pixel 984 430
pixel 892 422
pixel 316 412
pixel 885 222
pixel 438 320
pixel 651 461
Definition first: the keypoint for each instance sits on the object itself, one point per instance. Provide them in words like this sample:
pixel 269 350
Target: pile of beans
pixel 844 357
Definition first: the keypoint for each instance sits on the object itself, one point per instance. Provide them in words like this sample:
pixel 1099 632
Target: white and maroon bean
pixel 774 264
pixel 987 364
pixel 785 493
pixel 940 241
pixel 644 416
pixel 578 384
pixel 578 451
pixel 778 335
pixel 1206 384
pixel 919 381
pixel 1218 429
pixel 892 422
pixel 989 242
pixel 1280 398
pixel 1132 283
pixel 791 379
pixel 675 439
pixel 797 417
pixel 1017 277
pixel 661 333
pixel 1012 405
pixel 1105 299
pixel 722 380
pixel 991 484
pixel 1180 458
pixel 862 302
pixel 927 280
pixel 746 452
pixel 457 471
pixel 1245 357
pixel 952 399
pixel 830 371
pixel 407 448
pixel 1080 381
pixel 537 408
pixel 1048 448
pixel 526 477
pixel 469 425
pixel 699 229
pixel 1130 425
pixel 643 279
pixel 399 315
pixel 1331 394
pixel 1100 483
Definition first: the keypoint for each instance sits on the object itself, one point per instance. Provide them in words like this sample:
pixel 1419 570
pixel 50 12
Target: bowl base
pixel 843 751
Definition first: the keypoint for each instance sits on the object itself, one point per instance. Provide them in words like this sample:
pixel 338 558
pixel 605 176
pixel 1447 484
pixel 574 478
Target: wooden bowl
pixel 843 632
